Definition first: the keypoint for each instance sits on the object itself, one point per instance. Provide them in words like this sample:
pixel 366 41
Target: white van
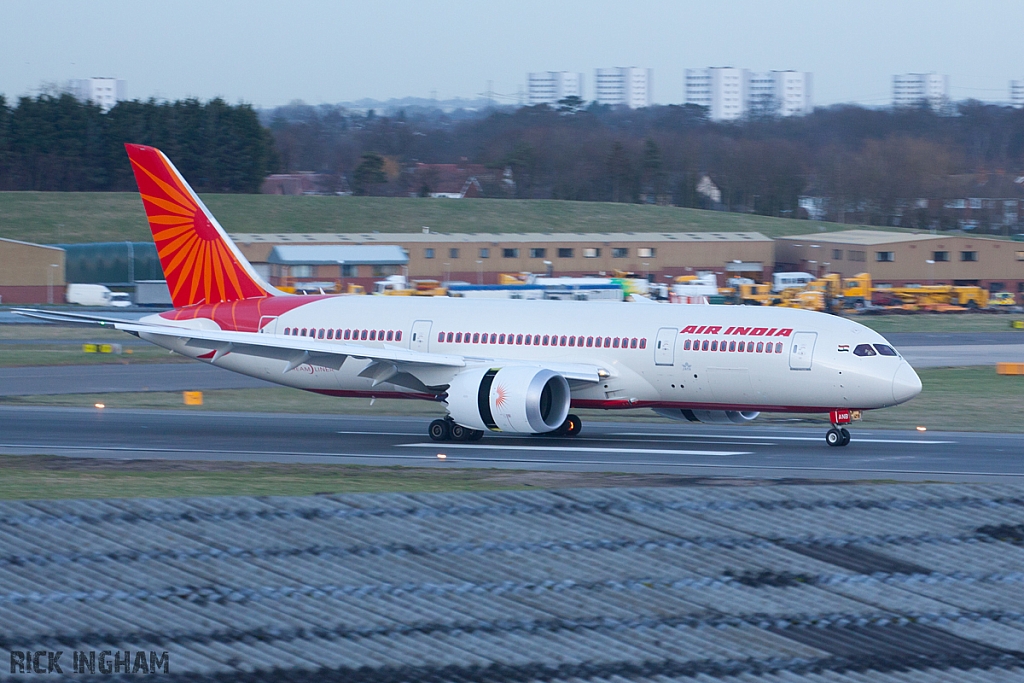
pixel 781 281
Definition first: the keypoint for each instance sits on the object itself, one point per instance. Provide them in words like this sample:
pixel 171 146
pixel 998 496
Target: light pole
pixel 131 262
pixel 479 272
pixel 50 277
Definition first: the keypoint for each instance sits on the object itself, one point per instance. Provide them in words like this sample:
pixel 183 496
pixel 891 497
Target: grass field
pixel 973 399
pixel 941 322
pixel 34 345
pixel 54 217
pixel 50 477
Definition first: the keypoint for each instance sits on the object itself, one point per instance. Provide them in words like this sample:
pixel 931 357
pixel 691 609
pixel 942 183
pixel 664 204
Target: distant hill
pixel 53 217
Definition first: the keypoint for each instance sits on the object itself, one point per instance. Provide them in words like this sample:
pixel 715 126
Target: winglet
pixel 200 262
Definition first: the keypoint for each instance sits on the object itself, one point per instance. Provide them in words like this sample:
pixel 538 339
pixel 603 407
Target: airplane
pixel 502 366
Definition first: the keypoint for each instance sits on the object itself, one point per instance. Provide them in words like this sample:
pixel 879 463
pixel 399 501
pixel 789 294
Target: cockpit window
pixel 864 350
pixel 885 350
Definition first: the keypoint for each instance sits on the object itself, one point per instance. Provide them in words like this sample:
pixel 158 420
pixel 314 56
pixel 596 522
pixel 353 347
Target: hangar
pixel 31 273
pixel 900 259
pixel 481 257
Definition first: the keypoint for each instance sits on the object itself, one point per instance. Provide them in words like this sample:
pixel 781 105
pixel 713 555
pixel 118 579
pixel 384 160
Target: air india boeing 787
pixel 515 366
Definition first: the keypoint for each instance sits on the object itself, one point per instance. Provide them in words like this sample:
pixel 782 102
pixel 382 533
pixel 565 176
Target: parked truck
pixel 92 295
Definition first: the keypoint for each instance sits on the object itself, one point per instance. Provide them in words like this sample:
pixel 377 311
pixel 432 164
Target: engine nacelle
pixel 709 416
pixel 517 399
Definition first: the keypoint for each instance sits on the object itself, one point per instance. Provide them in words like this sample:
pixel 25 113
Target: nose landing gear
pixel 838 436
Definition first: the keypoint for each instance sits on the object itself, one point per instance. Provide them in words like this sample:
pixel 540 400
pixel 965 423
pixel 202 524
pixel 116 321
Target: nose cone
pixel 905 383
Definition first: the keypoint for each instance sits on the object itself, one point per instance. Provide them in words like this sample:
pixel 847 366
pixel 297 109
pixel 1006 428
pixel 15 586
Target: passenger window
pixel 494 338
pixel 373 335
pixel 741 347
pixel 714 346
pixel 303 334
pixel 398 335
pixel 760 347
pixel 643 343
pixel 563 340
pixel 451 337
pixel 337 334
pixel 476 337
pixel 380 335
pixel 750 347
pixel 287 331
pixel 686 346
pixel 768 347
pixel 544 341
pixel 704 345
pixel 632 343
pixel 458 337
pixel 864 350
pixel 362 334
pixel 732 346
pixel 519 339
pixel 590 341
pixel 884 350
pixel 391 335
pixel 330 334
pixel 572 341
pixel 778 347
pixel 526 340
pixel 348 334
pixel 440 336
pixel 607 342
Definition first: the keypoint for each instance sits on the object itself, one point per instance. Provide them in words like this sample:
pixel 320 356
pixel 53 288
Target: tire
pixel 833 437
pixel 439 430
pixel 845 433
pixel 573 425
pixel 460 433
pixel 475 435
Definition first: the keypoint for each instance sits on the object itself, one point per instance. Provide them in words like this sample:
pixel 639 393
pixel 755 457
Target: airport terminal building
pixel 479 258
pixel 900 259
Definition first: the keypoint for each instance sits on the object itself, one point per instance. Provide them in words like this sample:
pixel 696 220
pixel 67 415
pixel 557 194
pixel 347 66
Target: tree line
pixel 871 165
pixel 57 142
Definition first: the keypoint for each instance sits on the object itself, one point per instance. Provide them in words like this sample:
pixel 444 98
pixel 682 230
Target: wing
pixel 433 369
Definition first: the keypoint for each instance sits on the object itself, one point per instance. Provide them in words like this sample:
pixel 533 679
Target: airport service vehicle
pixel 508 366
pixel 96 295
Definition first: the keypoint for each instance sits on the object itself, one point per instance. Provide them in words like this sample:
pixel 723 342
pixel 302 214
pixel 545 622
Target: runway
pixel 636 447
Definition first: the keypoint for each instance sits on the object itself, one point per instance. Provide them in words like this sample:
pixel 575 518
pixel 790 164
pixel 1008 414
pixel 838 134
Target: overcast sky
pixel 271 52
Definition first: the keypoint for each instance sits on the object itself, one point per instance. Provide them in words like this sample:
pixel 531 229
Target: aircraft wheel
pixel 475 435
pixel 845 434
pixel 439 430
pixel 573 425
pixel 460 433
pixel 833 437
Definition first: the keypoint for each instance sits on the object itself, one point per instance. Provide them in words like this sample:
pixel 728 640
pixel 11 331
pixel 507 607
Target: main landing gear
pixel 446 429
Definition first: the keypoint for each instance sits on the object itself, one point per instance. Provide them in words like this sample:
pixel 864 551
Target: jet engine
pixel 709 416
pixel 517 399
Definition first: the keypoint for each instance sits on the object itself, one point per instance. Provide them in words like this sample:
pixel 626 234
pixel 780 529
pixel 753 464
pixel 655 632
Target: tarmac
pixel 780 584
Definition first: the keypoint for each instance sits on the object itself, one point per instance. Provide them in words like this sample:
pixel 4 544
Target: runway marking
pixel 781 438
pixel 565 449
pixel 524 461
pixel 382 433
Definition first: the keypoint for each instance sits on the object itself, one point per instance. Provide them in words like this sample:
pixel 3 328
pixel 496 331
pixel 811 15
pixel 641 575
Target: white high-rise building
pixel 910 90
pixel 548 87
pixel 730 93
pixel 106 92
pixel 1017 93
pixel 629 86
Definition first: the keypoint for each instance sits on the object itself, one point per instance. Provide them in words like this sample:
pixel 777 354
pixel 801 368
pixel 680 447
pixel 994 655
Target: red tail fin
pixel 200 262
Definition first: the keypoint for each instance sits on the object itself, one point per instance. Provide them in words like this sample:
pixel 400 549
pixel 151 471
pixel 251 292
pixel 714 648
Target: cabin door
pixel 802 350
pixel 268 324
pixel 420 338
pixel 665 346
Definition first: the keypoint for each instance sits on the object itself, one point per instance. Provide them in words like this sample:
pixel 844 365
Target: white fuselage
pixel 806 370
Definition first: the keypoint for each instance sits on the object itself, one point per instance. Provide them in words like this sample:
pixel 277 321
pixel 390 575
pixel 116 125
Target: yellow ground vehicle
pixel 1002 299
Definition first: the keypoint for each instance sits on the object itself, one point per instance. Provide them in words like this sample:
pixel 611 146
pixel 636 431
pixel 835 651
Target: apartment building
pixel 548 87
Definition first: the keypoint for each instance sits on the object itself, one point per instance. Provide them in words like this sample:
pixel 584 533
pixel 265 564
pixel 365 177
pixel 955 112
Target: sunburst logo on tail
pixel 199 263
pixel 502 396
